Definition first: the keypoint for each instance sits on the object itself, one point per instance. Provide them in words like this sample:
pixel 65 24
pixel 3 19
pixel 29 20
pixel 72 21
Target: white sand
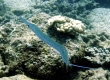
pixel 19 4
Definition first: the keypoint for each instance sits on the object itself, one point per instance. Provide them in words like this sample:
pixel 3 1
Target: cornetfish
pixel 61 49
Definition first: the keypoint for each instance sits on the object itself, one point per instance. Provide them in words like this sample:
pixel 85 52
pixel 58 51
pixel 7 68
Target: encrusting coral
pixel 66 24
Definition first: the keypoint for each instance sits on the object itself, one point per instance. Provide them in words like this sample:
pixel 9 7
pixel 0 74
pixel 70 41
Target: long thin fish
pixel 62 50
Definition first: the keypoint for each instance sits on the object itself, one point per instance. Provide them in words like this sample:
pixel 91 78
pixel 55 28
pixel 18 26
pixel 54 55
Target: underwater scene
pixel 54 39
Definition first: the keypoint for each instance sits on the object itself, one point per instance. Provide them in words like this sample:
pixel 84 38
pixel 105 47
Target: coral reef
pixel 23 53
pixel 99 56
pixel 76 9
pixel 66 24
